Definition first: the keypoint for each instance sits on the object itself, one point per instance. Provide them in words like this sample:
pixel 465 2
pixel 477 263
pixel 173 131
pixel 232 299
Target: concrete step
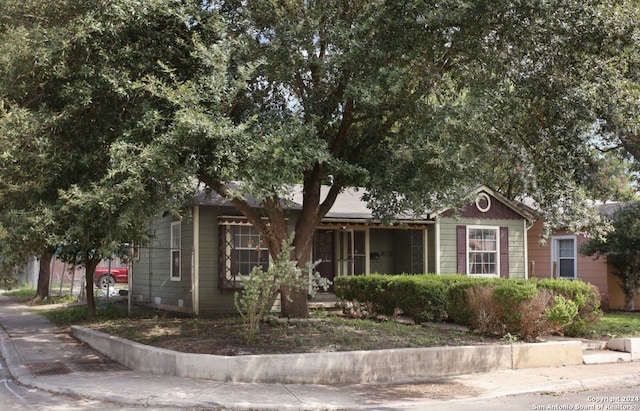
pixel 604 356
pixel 586 344
pixel 593 345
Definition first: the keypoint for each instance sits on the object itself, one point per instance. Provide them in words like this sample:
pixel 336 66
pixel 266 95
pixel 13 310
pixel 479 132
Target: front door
pixel 351 252
pixel 323 251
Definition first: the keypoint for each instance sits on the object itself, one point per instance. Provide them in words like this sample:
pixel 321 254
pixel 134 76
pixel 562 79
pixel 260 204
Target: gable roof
pixel 349 204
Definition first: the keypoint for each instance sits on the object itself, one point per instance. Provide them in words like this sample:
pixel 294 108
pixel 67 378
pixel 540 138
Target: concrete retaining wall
pixel 347 367
pixel 630 345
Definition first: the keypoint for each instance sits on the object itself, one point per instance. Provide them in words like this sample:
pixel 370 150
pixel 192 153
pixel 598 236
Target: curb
pixel 345 367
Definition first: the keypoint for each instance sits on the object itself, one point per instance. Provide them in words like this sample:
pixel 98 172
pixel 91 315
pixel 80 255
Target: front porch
pixel 353 249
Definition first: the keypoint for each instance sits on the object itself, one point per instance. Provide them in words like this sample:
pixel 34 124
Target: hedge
pixel 431 297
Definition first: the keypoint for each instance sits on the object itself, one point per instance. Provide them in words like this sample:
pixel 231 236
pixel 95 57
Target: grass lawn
pixel 615 324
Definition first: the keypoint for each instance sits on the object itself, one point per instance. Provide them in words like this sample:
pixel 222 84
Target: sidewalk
pixel 41 355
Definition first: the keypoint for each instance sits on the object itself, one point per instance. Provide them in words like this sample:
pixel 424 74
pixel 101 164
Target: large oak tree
pixel 414 100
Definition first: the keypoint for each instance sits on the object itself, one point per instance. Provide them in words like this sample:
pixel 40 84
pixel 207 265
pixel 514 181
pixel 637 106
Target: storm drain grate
pixel 41 369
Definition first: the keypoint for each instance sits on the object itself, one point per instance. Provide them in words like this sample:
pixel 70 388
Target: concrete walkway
pixel 41 355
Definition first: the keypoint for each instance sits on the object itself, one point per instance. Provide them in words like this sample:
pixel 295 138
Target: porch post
pixel 195 266
pixel 367 252
pixel 437 245
pixel 425 250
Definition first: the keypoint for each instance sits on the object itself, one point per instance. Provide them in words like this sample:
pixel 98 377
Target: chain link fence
pixel 67 279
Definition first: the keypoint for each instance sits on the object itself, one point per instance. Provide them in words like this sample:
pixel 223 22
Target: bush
pixel 261 288
pixel 518 308
pixel 545 314
pixel 584 295
pixel 421 297
pixel 562 313
pixel 485 312
pixel 511 295
pixel 362 291
pixel 527 308
pixel 458 287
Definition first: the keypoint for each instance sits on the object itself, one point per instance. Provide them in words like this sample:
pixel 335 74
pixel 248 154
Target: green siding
pixel 517 263
pixel 397 249
pixel 381 241
pixel 151 280
pixel 213 300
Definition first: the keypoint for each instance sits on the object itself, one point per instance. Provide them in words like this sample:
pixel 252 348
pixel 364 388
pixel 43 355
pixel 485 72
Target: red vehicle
pixel 105 277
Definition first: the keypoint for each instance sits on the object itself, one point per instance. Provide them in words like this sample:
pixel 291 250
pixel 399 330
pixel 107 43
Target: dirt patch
pixel 225 336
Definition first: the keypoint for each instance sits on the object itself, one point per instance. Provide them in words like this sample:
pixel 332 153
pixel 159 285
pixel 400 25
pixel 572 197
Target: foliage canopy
pixel 109 109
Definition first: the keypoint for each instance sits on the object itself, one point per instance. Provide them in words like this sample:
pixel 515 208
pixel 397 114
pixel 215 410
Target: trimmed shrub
pixel 421 297
pixel 362 291
pixel 527 308
pixel 458 286
pixel 584 295
pixel 511 295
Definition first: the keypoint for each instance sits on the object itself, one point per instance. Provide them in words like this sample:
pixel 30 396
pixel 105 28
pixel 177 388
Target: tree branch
pixel 252 214
pixel 343 130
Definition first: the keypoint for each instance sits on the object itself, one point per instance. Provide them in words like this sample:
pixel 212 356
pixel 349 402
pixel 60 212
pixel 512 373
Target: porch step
pixel 590 345
pixel 330 307
pixel 587 345
pixel 604 356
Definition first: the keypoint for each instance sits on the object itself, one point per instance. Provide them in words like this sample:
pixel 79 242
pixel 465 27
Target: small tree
pixel 262 287
pixel 621 246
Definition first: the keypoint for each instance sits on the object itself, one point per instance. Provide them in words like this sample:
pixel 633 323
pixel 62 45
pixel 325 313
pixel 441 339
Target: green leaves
pixel 75 120
pixel 621 247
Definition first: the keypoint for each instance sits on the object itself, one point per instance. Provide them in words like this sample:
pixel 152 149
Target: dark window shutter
pixel 504 252
pixel 461 247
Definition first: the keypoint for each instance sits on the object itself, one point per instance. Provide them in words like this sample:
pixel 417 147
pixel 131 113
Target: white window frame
pixel 175 257
pixel 496 252
pixel 230 277
pixel 555 256
pixel 255 245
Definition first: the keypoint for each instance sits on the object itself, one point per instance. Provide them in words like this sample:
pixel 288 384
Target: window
pixel 242 250
pixel 483 250
pixel 563 257
pixel 175 251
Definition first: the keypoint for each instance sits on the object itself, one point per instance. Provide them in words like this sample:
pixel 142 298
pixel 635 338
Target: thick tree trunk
pixel 44 276
pixel 294 303
pixel 90 267
pixel 274 229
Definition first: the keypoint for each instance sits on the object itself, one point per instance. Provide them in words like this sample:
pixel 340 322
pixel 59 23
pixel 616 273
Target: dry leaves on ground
pixel 225 336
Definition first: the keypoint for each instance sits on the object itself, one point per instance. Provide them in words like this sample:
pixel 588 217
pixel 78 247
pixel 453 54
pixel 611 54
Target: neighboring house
pixel 560 257
pixel 197 264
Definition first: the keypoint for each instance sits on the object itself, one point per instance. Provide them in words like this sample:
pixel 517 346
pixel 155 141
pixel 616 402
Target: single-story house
pixel 560 257
pixel 195 265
